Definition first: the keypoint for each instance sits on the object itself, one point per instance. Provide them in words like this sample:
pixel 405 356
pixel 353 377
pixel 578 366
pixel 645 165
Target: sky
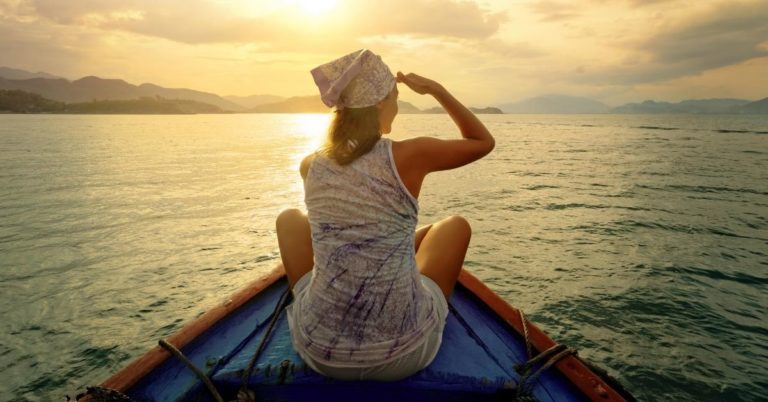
pixel 485 52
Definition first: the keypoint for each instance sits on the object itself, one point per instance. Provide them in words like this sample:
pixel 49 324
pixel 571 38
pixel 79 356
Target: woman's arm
pixel 417 157
pixel 434 154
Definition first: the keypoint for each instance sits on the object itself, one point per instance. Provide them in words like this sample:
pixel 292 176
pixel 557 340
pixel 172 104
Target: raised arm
pixel 436 154
pixel 423 155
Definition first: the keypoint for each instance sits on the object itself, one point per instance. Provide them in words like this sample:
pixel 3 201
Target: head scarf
pixel 359 79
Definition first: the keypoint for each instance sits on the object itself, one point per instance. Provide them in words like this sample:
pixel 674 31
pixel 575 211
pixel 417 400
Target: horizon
pixel 487 53
pixel 429 106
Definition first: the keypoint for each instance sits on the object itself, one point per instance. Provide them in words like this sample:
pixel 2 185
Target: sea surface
pixel 642 241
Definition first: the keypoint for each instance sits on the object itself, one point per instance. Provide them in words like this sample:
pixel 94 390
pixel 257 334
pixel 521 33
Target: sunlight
pixel 310 128
pixel 314 7
pixel 310 131
pixel 311 125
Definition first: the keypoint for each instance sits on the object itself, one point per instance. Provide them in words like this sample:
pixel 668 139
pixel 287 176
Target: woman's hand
pixel 419 84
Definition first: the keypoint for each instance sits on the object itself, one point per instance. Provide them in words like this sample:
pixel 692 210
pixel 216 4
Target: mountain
pixel 16 74
pixel 475 110
pixel 313 104
pixel 94 88
pixel 698 106
pixel 16 101
pixel 757 107
pixel 486 110
pixel 556 104
pixel 249 102
pixel 144 105
pixel 295 104
pixel 404 107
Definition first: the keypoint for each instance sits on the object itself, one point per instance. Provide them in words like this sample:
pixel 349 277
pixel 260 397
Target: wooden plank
pixel 142 366
pixel 580 375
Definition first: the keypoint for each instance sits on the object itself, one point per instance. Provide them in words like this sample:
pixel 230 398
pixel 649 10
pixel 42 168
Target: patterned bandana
pixel 359 79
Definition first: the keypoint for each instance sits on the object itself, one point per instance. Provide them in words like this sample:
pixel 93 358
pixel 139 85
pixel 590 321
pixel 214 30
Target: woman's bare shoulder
pixel 430 154
pixel 304 167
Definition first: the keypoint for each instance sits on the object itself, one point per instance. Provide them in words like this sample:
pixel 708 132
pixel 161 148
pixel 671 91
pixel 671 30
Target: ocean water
pixel 640 240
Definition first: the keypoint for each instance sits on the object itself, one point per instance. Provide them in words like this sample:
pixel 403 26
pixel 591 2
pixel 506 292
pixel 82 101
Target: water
pixel 640 240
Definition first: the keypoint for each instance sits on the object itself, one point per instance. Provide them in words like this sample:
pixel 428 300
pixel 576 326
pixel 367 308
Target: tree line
pixel 17 101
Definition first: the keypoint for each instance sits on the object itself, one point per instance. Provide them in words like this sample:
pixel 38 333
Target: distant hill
pixel 757 107
pixel 16 101
pixel 145 105
pixel 94 88
pixel 475 110
pixel 296 104
pixel 486 110
pixel 699 106
pixel 91 89
pixel 407 108
pixel 249 102
pixel 555 104
pixel 313 104
pixel 16 74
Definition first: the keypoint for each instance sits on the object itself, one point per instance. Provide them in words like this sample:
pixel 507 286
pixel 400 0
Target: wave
pixel 539 187
pixel 720 130
pixel 658 128
pixel 557 207
pixel 712 273
pixel 628 226
pixel 703 189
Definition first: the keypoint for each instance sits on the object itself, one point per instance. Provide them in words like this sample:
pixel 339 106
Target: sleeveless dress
pixel 365 302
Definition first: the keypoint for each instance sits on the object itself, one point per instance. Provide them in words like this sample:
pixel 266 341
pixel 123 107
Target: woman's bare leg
pixel 295 241
pixel 440 251
pixel 420 233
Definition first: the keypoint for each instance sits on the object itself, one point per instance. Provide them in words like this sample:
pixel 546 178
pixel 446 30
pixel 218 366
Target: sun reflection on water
pixel 310 132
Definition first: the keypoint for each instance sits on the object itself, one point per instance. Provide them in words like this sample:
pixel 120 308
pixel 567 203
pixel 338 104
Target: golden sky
pixel 486 52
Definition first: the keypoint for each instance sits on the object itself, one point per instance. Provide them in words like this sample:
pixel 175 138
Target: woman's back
pixel 366 302
pixel 370 290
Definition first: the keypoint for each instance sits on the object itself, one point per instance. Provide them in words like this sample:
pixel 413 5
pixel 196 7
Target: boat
pixel 490 352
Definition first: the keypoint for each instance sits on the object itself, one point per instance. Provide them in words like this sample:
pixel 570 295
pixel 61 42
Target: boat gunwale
pixel 571 367
pixel 145 364
pixel 581 376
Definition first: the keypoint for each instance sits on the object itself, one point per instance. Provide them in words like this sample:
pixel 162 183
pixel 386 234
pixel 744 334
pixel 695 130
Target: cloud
pixel 459 19
pixel 37 46
pixel 201 21
pixel 727 34
pixel 507 49
pixel 642 3
pixel 549 10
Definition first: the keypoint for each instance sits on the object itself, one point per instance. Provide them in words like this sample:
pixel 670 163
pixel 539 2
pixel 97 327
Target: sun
pixel 314 7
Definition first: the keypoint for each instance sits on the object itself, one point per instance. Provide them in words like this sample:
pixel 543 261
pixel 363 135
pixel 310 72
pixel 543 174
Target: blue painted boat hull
pixel 475 363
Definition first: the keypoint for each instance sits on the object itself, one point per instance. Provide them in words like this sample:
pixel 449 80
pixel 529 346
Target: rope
pixel 100 394
pixel 526 367
pixel 204 378
pixel 526 334
pixel 244 394
pixel 551 355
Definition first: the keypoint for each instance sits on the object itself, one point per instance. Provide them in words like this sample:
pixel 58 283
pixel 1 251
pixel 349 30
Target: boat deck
pixel 475 362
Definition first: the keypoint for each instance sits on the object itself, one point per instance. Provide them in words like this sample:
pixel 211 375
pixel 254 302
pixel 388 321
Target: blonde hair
pixel 352 133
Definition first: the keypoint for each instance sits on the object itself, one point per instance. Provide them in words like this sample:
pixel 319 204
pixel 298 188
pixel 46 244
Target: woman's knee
pixel 459 224
pixel 287 218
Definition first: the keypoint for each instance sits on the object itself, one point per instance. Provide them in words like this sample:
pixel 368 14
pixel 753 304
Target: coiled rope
pixel 549 357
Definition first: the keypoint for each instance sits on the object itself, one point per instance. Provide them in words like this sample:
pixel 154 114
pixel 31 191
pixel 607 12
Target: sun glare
pixel 311 130
pixel 314 7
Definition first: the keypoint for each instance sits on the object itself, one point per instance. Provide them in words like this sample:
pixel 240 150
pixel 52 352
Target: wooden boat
pixel 483 342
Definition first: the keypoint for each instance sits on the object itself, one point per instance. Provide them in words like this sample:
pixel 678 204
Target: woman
pixel 371 291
